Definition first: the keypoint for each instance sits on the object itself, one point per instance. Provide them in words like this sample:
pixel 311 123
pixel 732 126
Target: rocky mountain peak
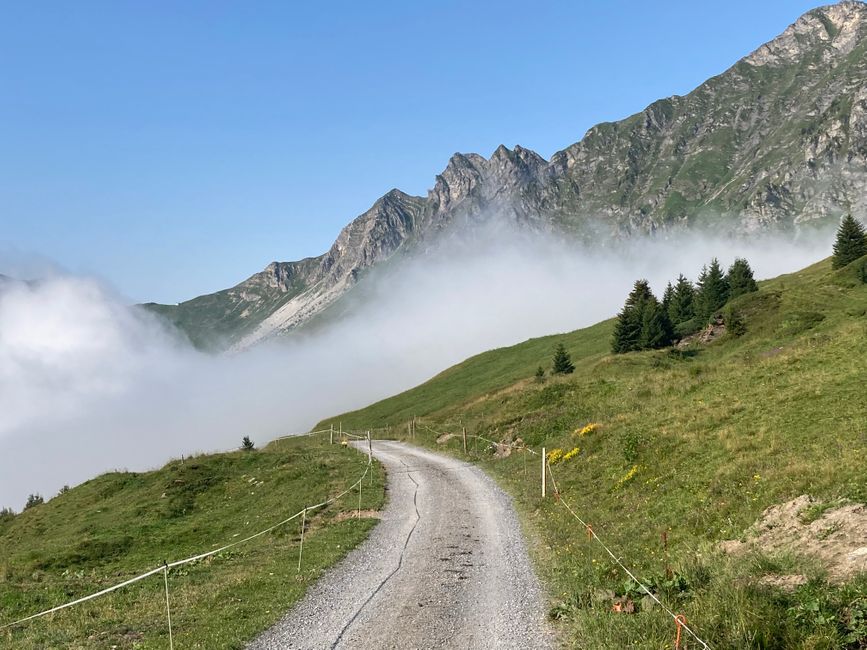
pixel 838 27
pixel 457 181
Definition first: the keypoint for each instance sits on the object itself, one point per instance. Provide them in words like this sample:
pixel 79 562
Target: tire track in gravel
pixel 446 567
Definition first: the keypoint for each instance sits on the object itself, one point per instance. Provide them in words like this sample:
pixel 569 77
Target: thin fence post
pixel 340 435
pixel 331 435
pixel 544 457
pixel 168 607
pixel 524 454
pixel 301 546
pixel 358 512
pixel 464 433
pixel 369 449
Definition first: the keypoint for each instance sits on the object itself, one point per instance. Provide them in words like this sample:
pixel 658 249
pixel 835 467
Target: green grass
pixel 715 435
pixel 119 525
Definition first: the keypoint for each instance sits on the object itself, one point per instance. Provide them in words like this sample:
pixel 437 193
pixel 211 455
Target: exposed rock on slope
pixel 777 142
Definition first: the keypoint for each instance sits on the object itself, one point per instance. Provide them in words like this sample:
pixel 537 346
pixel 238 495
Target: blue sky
pixel 176 148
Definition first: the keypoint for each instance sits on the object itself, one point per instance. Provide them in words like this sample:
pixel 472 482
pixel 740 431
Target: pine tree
pixel 851 242
pixel 713 291
pixel 247 444
pixel 627 330
pixel 540 374
pixel 667 296
pixel 740 279
pixel 682 306
pixel 656 329
pixel 562 361
pixel 34 500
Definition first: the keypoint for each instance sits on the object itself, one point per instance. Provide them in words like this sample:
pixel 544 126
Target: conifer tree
pixel 667 296
pixel 247 444
pixel 656 329
pixel 740 278
pixel 713 291
pixel 627 330
pixel 562 362
pixel 851 242
pixel 682 306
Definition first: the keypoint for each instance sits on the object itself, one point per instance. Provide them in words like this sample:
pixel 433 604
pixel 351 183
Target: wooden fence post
pixel 464 431
pixel 544 482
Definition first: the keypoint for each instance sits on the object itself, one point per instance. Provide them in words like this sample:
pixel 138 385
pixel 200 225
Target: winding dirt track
pixel 446 568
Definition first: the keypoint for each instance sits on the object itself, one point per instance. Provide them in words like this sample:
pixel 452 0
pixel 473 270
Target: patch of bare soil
pixel 836 538
pixel 444 438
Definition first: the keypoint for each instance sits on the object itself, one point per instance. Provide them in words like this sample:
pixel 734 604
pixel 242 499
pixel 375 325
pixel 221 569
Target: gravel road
pixel 446 568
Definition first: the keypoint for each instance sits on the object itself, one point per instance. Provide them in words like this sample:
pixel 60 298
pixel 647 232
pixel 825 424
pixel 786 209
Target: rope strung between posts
pixel 170 565
pixel 679 619
pixel 478 437
pixel 86 598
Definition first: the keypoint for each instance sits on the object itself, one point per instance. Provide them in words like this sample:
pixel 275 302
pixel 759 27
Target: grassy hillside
pixel 119 525
pixel 693 443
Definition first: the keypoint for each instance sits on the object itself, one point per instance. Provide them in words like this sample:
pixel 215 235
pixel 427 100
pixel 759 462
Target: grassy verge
pixel 122 524
pixel 692 445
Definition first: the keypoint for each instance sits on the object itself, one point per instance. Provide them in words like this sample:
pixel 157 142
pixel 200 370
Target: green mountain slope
pixel 693 443
pixel 777 142
pixel 122 524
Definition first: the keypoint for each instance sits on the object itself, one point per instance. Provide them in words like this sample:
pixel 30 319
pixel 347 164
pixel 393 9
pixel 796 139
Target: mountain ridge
pixel 777 142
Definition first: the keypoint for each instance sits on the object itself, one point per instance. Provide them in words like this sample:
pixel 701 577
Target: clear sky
pixel 175 148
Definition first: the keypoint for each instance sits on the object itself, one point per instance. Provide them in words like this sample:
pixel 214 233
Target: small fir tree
pixel 627 330
pixel 851 242
pixel 33 500
pixel 540 374
pixel 682 306
pixel 247 444
pixel 562 362
pixel 667 296
pixel 740 279
pixel 713 291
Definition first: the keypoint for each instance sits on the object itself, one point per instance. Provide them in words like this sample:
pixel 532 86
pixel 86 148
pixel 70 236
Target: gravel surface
pixel 446 568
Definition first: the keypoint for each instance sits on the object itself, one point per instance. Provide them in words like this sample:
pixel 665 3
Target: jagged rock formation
pixel 777 142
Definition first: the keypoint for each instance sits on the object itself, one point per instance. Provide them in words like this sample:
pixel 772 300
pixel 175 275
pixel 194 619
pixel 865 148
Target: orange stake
pixel 589 531
pixel 680 621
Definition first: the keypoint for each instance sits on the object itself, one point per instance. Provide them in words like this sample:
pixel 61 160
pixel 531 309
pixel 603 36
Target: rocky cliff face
pixel 777 142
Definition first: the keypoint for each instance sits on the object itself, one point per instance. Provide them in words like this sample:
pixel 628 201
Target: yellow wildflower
pixel 555 455
pixel 586 429
pixel 628 476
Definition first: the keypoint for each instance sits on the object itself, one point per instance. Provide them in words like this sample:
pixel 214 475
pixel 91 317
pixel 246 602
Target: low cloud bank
pixel 88 384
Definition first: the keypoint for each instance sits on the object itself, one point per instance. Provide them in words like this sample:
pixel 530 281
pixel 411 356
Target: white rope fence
pixel 679 620
pixel 164 568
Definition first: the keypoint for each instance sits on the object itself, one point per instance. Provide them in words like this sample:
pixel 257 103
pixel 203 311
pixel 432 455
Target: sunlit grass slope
pixel 121 524
pixel 692 443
